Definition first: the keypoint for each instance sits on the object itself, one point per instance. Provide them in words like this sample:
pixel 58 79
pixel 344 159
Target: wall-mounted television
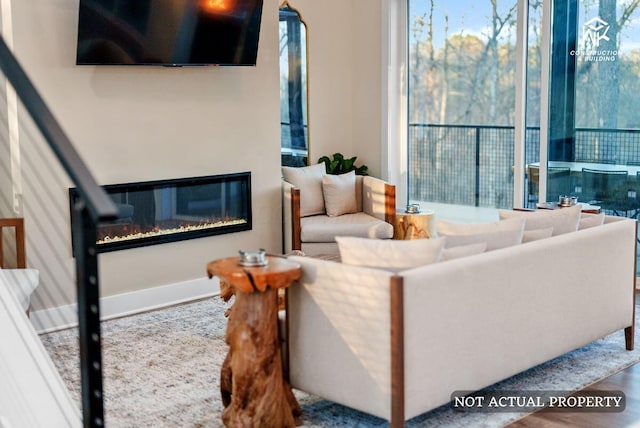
pixel 168 32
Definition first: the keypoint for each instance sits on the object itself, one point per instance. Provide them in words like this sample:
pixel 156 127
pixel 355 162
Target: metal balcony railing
pixel 473 165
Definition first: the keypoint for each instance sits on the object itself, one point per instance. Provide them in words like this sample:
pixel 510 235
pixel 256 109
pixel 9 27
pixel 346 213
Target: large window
pixel 582 76
pixel 461 101
pixel 567 125
pixel 593 122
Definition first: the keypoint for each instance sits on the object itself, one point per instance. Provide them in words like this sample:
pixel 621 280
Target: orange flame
pixel 216 6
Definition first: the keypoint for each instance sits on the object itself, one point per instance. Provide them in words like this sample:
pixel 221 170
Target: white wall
pixel 344 78
pixel 149 123
pixel 366 78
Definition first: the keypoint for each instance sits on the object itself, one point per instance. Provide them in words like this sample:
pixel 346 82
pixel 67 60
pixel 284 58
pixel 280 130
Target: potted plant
pixel 340 165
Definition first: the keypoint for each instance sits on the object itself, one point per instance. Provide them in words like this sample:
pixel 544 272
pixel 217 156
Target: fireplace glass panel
pixel 172 210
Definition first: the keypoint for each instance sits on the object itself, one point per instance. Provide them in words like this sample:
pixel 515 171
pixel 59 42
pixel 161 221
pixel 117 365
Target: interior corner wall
pixel 344 78
pixel 366 75
pixel 140 123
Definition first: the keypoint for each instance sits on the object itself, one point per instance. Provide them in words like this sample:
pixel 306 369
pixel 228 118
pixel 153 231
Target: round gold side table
pixel 414 225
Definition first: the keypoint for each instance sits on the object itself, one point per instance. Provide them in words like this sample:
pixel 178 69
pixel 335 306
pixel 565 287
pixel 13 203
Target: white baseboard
pixel 61 317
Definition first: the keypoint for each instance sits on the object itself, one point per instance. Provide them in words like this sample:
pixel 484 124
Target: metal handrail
pixel 92 206
pixel 100 205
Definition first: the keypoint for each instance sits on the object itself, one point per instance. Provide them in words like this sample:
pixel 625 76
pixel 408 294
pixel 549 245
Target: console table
pixel 254 392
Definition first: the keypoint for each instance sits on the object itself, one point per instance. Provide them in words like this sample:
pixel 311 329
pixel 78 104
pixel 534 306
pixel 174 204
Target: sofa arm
pixel 18 225
pixel 22 283
pixel 379 199
pixel 290 217
pixel 33 393
pixel 339 334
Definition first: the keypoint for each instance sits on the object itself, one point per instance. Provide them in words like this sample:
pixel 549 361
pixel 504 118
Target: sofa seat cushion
pixel 322 228
pixel 22 282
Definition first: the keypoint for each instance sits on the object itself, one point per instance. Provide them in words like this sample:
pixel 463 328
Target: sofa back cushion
pixel 463 251
pixel 309 180
pixel 590 220
pixel 389 254
pixel 536 234
pixel 340 194
pixel 563 220
pixel 497 235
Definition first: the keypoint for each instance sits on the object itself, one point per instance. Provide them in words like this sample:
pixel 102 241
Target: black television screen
pixel 168 32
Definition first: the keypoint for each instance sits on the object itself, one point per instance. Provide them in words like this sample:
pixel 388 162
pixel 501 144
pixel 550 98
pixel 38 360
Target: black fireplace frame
pixel 179 236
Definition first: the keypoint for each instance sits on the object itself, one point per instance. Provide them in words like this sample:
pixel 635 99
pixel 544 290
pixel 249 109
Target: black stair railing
pixel 90 207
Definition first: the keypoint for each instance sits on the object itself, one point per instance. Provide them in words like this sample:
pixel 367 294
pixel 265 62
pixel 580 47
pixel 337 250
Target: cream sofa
pixel 308 227
pixel 22 283
pixel 32 394
pixel 397 345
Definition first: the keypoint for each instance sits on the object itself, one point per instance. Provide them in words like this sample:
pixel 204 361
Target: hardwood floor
pixel 627 381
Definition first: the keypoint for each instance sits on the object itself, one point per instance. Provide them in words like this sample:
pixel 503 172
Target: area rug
pixel 161 370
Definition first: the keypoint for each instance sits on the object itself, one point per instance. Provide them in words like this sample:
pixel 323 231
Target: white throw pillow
pixel 340 194
pixel 499 234
pixel 534 235
pixel 389 254
pixel 463 251
pixel 563 220
pixel 590 220
pixel 309 180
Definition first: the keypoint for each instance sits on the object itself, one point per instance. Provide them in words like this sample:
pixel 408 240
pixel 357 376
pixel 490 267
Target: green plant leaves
pixel 340 165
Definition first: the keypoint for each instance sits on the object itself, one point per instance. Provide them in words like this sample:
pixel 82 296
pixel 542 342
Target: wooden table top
pixel 577 166
pixel 278 273
pixel 586 208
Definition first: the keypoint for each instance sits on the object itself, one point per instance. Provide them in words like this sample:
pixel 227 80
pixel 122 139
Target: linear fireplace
pixel 156 212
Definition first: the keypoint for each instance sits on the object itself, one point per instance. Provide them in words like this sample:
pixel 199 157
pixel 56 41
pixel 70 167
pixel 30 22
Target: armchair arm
pixel 18 225
pixel 290 217
pixel 379 199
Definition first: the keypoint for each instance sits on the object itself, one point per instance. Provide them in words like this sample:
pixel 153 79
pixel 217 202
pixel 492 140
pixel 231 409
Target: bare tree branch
pixel 626 14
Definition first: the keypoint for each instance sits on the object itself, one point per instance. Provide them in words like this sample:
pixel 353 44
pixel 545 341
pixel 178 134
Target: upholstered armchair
pixel 318 207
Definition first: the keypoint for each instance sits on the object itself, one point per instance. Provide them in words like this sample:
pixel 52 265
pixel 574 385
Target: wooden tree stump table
pixel 419 225
pixel 254 391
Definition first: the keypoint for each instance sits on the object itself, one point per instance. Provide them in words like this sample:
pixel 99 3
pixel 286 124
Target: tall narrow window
pixel 293 88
